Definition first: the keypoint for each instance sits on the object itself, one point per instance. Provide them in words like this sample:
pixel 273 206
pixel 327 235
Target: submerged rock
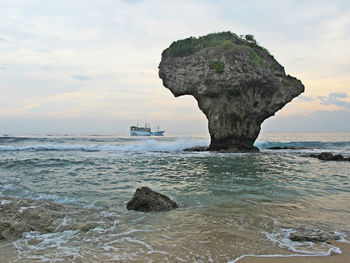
pixel 312 235
pixel 18 216
pixel 145 200
pixel 236 83
pixel 327 156
pixel 286 148
pixel 196 149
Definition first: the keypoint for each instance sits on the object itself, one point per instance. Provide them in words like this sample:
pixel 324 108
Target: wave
pixel 151 145
pixel 304 144
pixel 51 148
pixel 9 139
pixel 17 191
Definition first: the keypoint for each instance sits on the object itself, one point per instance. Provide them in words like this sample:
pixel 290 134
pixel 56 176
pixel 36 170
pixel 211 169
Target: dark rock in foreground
pixel 312 235
pixel 146 200
pixel 236 82
pixel 327 156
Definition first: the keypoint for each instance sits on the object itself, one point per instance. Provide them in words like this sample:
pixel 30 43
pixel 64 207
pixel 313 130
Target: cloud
pixel 303 98
pixel 318 121
pixel 4 66
pixel 338 95
pixel 81 77
pixel 337 99
pixel 132 1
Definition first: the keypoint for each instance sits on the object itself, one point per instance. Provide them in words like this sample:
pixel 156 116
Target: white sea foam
pixel 65 222
pixel 303 249
pixel 343 237
pixel 172 146
pixel 337 147
pixel 282 239
pixel 15 191
pixel 328 253
pixel 143 146
pixel 22 208
pixel 4 202
pixel 56 241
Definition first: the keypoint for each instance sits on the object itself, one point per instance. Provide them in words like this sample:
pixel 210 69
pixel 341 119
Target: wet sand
pixel 336 258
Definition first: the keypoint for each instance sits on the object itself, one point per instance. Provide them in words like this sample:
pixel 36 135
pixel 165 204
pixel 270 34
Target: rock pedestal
pixel 236 83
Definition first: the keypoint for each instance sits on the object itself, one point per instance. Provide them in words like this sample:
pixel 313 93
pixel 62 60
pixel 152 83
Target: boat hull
pixel 140 133
pixel 157 133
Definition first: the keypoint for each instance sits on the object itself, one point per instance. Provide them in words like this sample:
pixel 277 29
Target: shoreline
pixel 332 258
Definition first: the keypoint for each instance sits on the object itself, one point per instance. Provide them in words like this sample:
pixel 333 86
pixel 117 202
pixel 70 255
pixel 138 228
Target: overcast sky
pixel 92 66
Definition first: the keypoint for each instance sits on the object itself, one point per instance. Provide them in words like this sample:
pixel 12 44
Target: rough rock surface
pixel 145 200
pixel 312 235
pixel 326 156
pixel 236 83
pixel 18 216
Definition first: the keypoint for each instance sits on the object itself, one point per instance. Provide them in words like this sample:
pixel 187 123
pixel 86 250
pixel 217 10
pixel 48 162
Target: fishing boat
pixel 145 131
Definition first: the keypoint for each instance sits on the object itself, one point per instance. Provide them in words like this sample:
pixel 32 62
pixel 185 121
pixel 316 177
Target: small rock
pixel 7 231
pixel 89 226
pixel 34 242
pixel 145 200
pixel 286 148
pixel 327 156
pixel 197 149
pixel 312 235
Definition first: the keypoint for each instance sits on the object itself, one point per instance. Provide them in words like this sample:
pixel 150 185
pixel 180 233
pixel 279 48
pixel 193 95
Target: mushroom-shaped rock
pixel 145 200
pixel 236 82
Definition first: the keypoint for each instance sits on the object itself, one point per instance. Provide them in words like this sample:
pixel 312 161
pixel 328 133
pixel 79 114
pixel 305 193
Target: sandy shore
pixel 337 258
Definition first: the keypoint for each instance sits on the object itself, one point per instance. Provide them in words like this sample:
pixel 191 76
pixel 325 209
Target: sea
pixel 230 204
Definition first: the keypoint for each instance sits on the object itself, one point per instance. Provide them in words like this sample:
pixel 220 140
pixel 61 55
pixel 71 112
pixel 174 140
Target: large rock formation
pixel 236 83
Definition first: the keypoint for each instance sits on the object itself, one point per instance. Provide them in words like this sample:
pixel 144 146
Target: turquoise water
pixel 230 204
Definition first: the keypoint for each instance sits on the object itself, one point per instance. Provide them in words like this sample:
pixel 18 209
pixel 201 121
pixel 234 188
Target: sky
pixel 91 67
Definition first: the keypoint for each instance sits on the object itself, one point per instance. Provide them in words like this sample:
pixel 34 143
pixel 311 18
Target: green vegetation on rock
pixel 285 85
pixel 254 57
pixel 218 66
pixel 188 46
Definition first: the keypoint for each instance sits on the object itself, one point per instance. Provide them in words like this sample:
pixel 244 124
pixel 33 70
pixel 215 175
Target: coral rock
pixel 236 83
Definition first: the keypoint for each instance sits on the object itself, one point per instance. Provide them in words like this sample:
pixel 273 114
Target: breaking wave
pixel 304 145
pixel 151 145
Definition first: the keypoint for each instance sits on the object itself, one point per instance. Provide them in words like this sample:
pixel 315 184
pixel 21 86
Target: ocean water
pixel 231 204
